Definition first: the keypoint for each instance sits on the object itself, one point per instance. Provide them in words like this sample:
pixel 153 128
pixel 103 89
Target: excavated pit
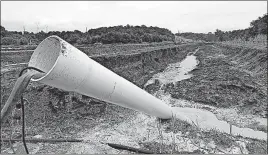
pixel 137 68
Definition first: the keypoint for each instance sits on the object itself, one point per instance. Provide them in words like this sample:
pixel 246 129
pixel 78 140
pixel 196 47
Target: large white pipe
pixel 69 69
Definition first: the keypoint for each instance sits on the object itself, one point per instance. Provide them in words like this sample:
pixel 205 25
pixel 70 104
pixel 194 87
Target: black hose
pixel 30 68
pixel 22 106
pixel 23 126
pixel 128 148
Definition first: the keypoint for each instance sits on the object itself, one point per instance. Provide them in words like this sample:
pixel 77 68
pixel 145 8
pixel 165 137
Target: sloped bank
pixel 49 106
pixel 228 76
pixel 138 68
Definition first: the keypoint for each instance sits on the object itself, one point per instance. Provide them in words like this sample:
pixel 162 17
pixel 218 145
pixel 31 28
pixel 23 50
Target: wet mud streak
pixel 207 120
pixel 176 72
pixel 18 89
pixel 144 128
pixel 199 117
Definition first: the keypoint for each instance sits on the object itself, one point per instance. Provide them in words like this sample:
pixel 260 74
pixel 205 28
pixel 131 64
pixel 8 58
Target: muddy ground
pixel 226 77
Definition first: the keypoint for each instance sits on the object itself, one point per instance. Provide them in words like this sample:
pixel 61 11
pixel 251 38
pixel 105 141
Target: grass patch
pixel 257 147
pixel 225 79
pixel 219 138
pixel 206 141
pixel 166 149
pixel 259 42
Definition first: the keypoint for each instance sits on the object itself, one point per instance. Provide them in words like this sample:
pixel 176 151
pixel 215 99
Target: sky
pixel 177 16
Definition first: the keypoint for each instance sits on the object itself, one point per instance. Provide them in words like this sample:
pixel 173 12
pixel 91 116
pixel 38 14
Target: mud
pixel 105 122
pixel 137 68
pixel 202 118
pixel 227 77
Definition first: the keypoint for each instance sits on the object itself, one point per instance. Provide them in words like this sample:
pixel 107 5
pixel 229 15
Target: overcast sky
pixel 183 16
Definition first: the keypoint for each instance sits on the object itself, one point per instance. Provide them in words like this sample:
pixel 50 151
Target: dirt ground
pixel 226 77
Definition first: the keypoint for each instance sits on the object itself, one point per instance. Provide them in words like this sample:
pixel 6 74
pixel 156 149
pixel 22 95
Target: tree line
pixel 257 27
pixel 105 35
pixel 133 34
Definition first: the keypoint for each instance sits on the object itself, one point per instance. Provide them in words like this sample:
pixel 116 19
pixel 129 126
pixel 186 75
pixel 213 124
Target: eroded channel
pixel 185 111
pixel 144 128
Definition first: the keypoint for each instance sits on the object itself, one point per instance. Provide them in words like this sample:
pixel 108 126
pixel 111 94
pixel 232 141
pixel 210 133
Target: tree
pixel 146 38
pixel 41 35
pixel 3 31
pixel 260 25
pixel 8 41
pixel 72 38
pixel 23 41
pixel 96 39
pixel 211 37
pixel 219 34
pixel 83 41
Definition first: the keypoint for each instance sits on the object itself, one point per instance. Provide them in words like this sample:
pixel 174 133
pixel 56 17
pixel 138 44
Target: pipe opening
pixel 45 56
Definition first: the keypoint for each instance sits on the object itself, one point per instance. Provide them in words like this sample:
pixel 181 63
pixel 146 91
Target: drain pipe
pixel 69 69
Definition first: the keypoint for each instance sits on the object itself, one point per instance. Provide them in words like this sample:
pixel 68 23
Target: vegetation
pixel 198 36
pixel 227 76
pixel 258 42
pixel 257 27
pixel 58 122
pixel 105 35
pixel 199 141
pixel 135 34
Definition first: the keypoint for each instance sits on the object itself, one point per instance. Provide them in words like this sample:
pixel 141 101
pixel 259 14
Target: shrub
pixel 8 41
pixel 23 41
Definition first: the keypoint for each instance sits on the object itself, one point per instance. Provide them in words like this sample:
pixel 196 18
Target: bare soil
pixel 228 77
pixel 222 79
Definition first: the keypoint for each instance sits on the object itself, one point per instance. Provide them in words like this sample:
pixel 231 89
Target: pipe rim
pixel 59 40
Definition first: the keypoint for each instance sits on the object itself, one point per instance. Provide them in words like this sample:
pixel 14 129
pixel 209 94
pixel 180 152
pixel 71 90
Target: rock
pixel 211 145
pixel 38 136
pixel 243 147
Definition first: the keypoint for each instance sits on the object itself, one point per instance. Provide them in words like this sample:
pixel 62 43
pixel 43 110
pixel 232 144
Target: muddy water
pixel 176 72
pixel 202 118
pixel 145 128
pixel 141 128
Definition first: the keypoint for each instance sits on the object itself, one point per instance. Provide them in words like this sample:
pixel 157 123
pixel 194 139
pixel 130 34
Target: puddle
pixel 204 119
pixel 145 128
pixel 176 72
pixel 140 128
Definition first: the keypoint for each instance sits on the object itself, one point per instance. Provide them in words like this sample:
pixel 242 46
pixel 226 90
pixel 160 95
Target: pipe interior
pixel 45 56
